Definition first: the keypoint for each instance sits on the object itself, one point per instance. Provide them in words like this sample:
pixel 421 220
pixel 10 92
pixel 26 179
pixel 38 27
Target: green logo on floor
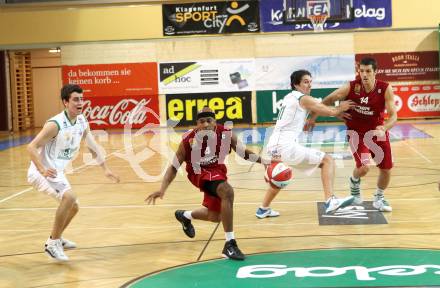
pixel 311 268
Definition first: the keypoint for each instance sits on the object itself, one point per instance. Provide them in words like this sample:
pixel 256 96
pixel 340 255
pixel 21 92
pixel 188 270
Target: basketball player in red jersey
pixel 366 130
pixel 204 150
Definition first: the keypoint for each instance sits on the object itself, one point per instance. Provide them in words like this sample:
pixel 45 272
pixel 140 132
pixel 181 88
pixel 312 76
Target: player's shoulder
pixel 382 84
pixel 188 134
pixel 58 120
pixel 220 128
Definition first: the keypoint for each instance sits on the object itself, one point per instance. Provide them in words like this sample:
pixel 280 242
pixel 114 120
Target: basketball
pixel 278 174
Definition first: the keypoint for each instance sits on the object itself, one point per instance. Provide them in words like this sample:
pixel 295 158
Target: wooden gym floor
pixel 121 238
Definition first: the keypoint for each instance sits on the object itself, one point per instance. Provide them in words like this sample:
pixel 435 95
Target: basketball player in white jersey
pixel 50 152
pixel 283 143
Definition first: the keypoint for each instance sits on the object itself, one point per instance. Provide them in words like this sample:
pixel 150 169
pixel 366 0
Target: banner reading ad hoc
pixel 117 94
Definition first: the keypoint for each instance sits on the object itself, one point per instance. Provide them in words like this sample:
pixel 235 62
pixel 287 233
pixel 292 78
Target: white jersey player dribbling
pixel 283 144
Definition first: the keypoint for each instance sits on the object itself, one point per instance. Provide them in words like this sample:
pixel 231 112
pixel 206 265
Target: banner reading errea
pixel 113 79
pixel 230 106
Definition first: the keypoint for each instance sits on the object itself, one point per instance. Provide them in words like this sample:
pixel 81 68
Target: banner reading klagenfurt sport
pixel 207 76
pixel 367 14
pixel 327 71
pixel 211 18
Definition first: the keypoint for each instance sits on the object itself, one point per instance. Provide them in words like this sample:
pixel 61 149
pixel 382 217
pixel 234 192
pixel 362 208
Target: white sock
pixel 264 208
pixel 229 236
pixel 379 192
pixel 187 215
pixel 355 179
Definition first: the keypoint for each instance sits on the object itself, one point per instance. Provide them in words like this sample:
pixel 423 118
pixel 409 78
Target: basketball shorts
pixel 207 181
pixel 294 154
pixel 363 146
pixel 54 187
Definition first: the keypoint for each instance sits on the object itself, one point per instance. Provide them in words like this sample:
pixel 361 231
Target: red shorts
pixel 364 145
pixel 216 173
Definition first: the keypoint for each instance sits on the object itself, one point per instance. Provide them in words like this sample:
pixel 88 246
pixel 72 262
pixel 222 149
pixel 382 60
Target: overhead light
pixel 55 50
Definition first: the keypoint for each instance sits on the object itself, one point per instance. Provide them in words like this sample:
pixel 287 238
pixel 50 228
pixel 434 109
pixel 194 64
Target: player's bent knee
pixel 75 207
pixel 225 191
pixel 364 170
pixel 327 160
pixel 69 197
pixel 214 217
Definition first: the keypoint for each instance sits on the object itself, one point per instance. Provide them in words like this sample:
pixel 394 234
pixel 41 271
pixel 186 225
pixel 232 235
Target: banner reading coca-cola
pixel 116 112
pixel 417 100
pixel 405 66
pixel 113 79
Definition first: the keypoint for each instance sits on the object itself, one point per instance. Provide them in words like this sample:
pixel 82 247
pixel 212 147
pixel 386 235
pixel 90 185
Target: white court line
pixel 414 149
pixel 143 206
pixel 207 226
pixel 16 194
pixel 75 169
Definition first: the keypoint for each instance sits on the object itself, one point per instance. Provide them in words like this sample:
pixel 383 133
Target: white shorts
pixel 303 158
pixel 55 188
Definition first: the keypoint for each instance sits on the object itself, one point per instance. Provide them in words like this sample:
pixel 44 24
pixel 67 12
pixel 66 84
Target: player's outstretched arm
pixel 339 94
pixel 311 104
pixel 99 154
pixel 49 131
pixel 169 175
pixel 245 153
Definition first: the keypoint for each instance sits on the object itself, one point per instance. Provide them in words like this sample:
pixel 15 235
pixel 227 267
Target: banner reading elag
pixel 228 106
pixel 210 18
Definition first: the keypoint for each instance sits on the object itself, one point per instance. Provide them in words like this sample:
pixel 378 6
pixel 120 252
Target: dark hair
pixel 297 76
pixel 369 61
pixel 69 89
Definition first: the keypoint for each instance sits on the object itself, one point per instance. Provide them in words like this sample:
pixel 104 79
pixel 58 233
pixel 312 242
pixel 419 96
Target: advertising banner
pixel 417 100
pixel 327 71
pixel 207 76
pixel 367 14
pixel 405 66
pixel 117 111
pixel 269 103
pixel 210 18
pixel 232 106
pixel 113 79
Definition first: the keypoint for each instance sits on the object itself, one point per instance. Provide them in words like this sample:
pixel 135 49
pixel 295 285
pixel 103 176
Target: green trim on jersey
pixel 56 122
pixel 67 116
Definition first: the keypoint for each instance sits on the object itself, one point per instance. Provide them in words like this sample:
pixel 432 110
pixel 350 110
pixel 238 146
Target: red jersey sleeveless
pixel 370 107
pixel 206 150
